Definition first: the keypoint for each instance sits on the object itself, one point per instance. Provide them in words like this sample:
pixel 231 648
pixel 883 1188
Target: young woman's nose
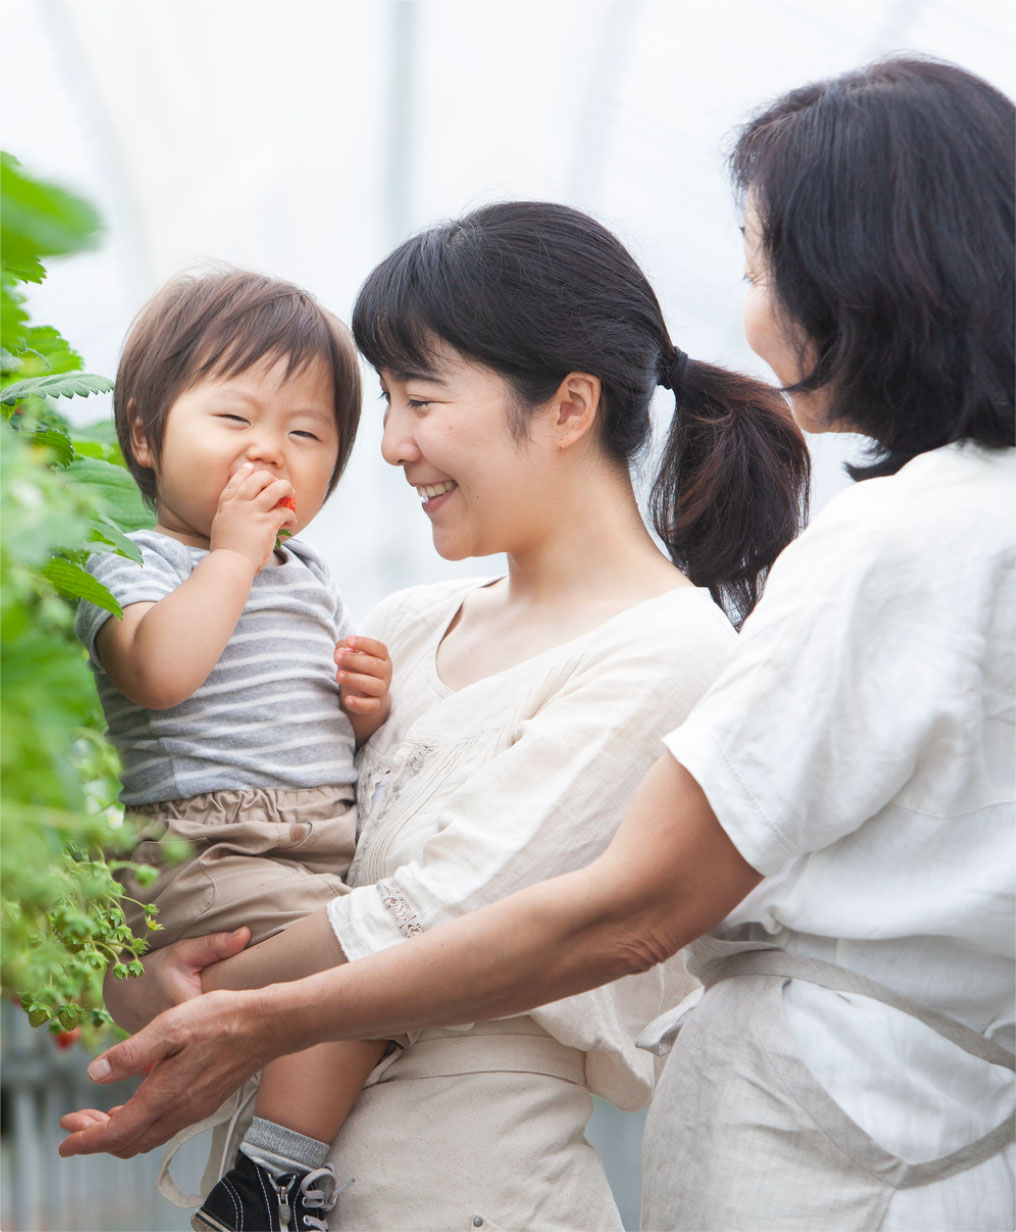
pixel 398 445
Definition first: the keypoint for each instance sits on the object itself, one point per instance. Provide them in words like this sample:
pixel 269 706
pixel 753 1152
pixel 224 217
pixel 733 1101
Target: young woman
pixel 518 350
pixel 838 810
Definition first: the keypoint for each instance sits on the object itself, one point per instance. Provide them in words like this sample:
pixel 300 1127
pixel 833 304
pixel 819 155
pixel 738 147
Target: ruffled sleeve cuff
pixel 364 924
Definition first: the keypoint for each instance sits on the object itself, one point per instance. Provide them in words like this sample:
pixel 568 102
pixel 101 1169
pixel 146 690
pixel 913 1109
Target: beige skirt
pixel 461 1132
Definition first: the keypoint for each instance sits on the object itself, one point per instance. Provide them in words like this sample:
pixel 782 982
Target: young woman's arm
pixel 669 875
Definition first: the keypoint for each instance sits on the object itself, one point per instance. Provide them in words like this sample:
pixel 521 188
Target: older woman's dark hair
pixel 534 290
pixel 885 199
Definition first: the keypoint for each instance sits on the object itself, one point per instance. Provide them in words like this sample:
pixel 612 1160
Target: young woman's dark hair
pixel 535 290
pixel 885 199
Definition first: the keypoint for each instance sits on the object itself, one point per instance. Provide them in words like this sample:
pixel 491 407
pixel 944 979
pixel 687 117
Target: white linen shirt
pixel 468 796
pixel 858 750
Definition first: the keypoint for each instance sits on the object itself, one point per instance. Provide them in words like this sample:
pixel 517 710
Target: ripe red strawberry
pixel 287 502
pixel 64 1039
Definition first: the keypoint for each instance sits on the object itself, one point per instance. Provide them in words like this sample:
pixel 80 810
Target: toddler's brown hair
pixel 217 324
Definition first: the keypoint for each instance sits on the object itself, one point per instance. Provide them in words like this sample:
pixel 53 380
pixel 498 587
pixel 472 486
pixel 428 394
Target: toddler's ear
pixel 139 442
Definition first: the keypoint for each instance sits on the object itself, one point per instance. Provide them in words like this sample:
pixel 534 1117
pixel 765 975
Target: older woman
pixel 838 809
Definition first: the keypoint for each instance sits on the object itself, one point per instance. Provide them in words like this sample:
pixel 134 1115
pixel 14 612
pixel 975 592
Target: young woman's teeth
pixel 435 489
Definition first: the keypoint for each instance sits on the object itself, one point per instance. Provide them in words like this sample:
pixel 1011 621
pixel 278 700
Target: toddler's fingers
pixel 236 479
pixel 368 645
pixel 361 705
pixel 368 665
pixel 261 486
pixel 366 686
pixel 271 490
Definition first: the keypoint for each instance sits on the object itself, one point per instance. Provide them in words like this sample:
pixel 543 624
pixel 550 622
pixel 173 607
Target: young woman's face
pixel 766 331
pixel 450 431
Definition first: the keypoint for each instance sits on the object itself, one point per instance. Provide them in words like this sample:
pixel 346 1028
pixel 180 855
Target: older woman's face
pixel 450 431
pixel 767 336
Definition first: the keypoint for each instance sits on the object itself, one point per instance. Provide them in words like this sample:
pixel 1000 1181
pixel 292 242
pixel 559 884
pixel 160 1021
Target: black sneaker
pixel 250 1199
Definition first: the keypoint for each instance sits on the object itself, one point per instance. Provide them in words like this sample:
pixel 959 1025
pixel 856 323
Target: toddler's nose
pixel 265 449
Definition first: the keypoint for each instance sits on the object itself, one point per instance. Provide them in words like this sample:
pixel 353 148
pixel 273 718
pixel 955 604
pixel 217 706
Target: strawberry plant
pixel 64 493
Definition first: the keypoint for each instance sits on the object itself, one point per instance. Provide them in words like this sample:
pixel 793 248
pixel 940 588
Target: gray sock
pixel 280 1150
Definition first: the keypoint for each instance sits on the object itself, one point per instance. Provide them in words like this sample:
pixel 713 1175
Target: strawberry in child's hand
pixel 287 502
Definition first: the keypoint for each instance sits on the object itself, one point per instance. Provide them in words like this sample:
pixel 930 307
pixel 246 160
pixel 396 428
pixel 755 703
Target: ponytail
pixel 732 491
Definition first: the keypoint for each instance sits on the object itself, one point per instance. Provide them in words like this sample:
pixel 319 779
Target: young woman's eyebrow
pixel 404 375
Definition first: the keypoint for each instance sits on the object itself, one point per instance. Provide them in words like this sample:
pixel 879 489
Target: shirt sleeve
pixel 549 801
pixel 158 575
pixel 855 667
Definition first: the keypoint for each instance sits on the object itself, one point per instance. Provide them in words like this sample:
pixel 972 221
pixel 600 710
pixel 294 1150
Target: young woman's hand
pixel 250 517
pixel 364 673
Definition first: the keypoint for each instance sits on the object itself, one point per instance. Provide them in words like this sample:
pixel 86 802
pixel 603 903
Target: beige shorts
pixel 259 857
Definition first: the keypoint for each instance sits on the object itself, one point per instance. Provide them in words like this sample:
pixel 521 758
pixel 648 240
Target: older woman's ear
pixel 574 408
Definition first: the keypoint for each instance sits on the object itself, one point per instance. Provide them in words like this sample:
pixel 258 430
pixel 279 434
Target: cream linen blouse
pixel 465 797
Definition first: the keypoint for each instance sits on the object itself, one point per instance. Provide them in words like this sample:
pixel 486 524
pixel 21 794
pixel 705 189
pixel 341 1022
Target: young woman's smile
pixel 431 494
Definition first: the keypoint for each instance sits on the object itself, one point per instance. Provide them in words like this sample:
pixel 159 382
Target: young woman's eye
pixel 416 403
pixel 385 396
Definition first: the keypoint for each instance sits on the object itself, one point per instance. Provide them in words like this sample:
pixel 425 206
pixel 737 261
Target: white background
pixel 306 139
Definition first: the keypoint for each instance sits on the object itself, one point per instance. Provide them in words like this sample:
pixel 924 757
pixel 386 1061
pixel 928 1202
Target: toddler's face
pixel 283 425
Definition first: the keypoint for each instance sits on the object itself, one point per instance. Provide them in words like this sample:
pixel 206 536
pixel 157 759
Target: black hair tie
pixel 674 369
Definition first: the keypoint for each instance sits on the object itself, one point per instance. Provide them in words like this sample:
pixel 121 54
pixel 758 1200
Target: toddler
pixel 237 401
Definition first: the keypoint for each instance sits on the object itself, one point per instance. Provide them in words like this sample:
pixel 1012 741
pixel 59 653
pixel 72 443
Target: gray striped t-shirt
pixel 267 716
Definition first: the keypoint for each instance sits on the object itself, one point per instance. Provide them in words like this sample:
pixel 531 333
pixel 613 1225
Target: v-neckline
pixel 446 690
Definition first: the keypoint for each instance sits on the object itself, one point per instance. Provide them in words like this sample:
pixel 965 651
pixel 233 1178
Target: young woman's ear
pixel 139 442
pixel 575 407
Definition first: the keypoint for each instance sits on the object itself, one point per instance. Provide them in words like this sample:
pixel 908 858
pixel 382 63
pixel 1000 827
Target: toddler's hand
pixel 249 517
pixel 365 677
